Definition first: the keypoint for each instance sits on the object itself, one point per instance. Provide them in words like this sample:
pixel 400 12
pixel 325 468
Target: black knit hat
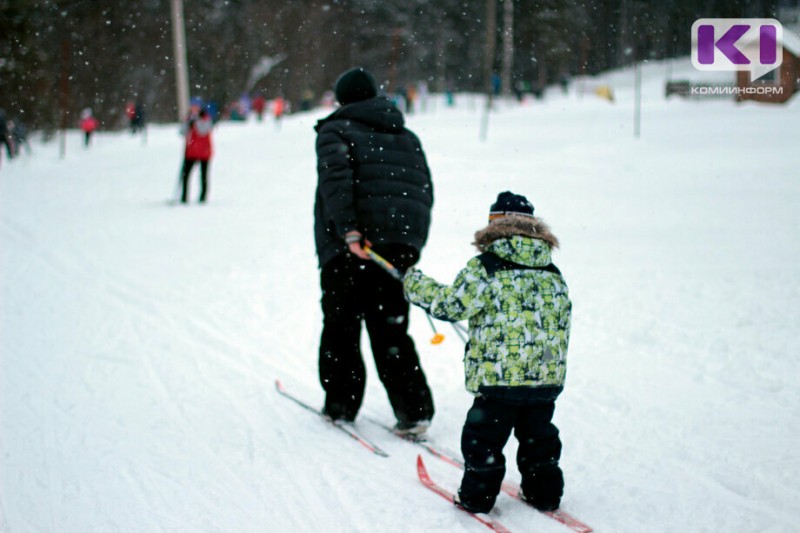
pixel 355 85
pixel 509 203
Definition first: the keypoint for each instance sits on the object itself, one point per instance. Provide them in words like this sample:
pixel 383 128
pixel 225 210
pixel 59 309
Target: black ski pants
pixel 487 430
pixel 186 170
pixel 354 291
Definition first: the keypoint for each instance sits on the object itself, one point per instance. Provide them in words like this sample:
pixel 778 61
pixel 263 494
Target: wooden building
pixel 786 78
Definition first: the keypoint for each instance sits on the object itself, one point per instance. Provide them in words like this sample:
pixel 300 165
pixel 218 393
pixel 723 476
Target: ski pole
pixel 392 270
pixel 384 264
pixel 437 337
pixel 460 331
pixel 176 195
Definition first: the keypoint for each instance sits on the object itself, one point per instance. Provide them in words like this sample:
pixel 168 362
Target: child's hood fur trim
pixel 511 225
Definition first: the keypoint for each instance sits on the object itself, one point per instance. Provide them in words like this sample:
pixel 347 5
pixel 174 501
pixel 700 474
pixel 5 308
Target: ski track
pixel 140 342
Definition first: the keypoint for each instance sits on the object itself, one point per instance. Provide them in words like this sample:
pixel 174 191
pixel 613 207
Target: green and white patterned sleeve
pixel 459 301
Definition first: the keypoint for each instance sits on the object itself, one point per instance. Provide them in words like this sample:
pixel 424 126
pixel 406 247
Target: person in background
pixel 307 100
pixel 213 111
pixel 244 105
pixel 198 149
pixel 450 94
pixel 278 109
pixel 234 112
pixel 130 112
pixel 411 97
pixel 195 105
pixel 88 124
pixel 19 134
pixel 374 187
pixel 139 119
pixel 259 105
pixel 5 135
pixel 515 362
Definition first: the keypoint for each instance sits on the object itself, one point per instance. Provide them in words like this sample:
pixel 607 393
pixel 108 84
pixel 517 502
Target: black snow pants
pixel 354 291
pixel 186 170
pixel 487 430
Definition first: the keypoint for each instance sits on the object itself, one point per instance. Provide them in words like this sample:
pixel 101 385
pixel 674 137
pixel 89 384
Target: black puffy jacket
pixel 373 177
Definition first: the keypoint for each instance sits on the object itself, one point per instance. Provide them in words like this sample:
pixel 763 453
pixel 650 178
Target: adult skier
pixel 374 189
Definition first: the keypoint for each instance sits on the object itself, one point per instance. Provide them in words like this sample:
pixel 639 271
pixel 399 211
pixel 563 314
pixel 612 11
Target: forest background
pixel 58 57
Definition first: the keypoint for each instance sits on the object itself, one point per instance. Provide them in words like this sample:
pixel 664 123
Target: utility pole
pixel 181 66
pixel 637 98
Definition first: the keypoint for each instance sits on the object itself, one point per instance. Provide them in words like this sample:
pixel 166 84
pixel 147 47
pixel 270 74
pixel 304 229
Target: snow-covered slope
pixel 140 342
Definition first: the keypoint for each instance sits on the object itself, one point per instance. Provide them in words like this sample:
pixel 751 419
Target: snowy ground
pixel 139 343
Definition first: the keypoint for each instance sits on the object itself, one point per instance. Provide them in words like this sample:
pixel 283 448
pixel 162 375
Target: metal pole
pixel 637 104
pixel 585 43
pixel 181 65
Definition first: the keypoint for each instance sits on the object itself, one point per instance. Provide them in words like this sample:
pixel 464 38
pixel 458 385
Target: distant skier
pixel 259 105
pixel 88 124
pixel 278 109
pixel 130 113
pixel 19 133
pixel 374 185
pixel 139 119
pixel 198 149
pixel 6 137
pixel 519 313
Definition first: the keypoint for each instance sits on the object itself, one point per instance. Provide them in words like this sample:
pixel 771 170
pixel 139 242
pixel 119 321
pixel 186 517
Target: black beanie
pixel 355 85
pixel 509 203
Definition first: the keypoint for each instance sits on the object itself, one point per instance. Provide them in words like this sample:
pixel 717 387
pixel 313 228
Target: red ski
pixel 426 480
pixel 512 489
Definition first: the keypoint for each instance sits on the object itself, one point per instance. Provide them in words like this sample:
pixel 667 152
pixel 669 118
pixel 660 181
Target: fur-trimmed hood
pixel 511 225
pixel 518 239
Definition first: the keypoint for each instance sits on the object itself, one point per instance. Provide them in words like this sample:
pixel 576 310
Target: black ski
pixel 344 427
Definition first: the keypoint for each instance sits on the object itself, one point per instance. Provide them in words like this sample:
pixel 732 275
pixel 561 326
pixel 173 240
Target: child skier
pixel 519 315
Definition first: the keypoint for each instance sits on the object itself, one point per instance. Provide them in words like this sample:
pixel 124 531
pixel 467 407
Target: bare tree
pixel 488 63
pixel 508 45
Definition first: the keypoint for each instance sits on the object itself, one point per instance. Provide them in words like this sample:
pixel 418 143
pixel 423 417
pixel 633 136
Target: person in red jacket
pixel 88 125
pixel 278 109
pixel 259 105
pixel 198 149
pixel 130 112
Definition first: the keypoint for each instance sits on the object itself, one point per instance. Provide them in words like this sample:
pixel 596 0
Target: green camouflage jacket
pixel 519 317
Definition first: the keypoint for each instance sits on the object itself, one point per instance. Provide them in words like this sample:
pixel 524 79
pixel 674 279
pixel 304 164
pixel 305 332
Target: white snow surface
pixel 140 342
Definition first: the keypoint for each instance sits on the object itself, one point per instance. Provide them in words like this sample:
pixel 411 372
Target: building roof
pixel 791 42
